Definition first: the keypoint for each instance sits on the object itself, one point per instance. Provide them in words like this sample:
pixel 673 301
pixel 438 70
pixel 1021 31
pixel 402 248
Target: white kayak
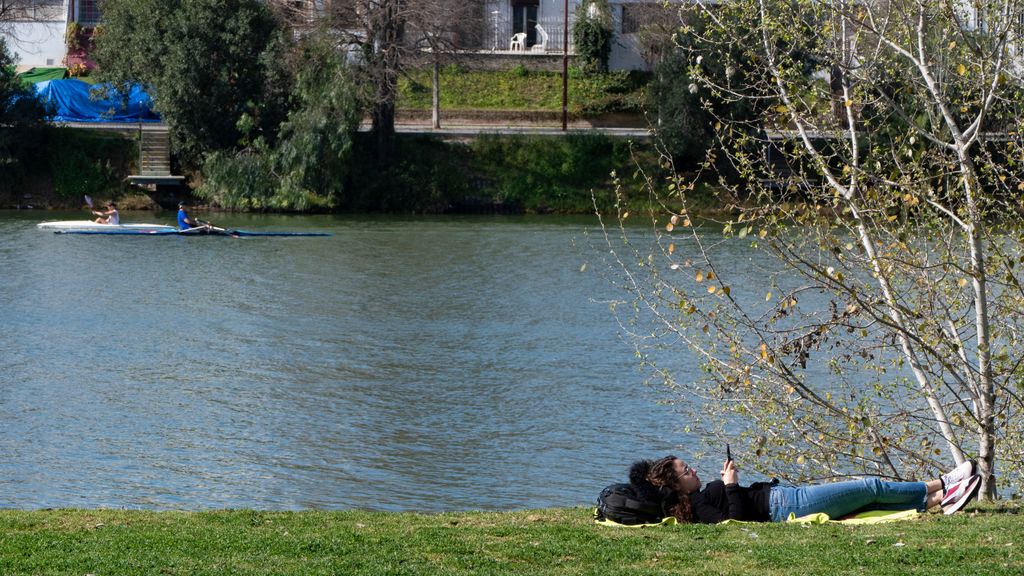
pixel 66 225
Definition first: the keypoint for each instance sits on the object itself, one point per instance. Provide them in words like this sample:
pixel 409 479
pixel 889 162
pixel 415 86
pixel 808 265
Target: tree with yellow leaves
pixel 883 179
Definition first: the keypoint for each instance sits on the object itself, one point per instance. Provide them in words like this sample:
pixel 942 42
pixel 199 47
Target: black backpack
pixel 624 504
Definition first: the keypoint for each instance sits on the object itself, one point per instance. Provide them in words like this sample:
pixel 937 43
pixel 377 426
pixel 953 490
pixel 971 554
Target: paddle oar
pixel 88 202
pixel 210 226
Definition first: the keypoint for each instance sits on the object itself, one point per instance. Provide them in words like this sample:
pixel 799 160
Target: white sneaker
pixel 961 472
pixel 960 494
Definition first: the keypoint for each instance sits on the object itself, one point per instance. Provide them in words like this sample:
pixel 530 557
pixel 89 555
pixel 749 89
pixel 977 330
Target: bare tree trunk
pixel 384 131
pixel 393 36
pixel 386 36
pixel 985 392
pixel 436 108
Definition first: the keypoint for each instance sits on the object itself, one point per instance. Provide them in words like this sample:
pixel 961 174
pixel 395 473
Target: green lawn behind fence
pixel 519 89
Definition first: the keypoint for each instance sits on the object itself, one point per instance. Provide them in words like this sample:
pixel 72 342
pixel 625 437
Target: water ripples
pixel 433 364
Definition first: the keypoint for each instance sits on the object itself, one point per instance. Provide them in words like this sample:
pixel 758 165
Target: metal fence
pixel 498 33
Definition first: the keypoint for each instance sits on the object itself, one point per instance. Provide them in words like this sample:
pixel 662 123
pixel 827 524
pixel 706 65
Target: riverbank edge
pixel 986 539
pixel 490 174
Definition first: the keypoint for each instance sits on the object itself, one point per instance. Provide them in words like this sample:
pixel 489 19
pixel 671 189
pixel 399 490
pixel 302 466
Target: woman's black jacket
pixel 718 502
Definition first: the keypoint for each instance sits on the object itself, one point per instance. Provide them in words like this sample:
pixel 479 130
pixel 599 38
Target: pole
pixel 565 69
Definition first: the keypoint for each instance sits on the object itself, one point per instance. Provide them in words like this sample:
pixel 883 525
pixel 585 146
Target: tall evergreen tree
pixel 20 111
pixel 213 67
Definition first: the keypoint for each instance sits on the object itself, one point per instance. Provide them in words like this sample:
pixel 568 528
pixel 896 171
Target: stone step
pixel 155 155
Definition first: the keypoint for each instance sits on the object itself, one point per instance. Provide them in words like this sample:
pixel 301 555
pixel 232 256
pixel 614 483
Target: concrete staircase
pixel 154 150
pixel 155 165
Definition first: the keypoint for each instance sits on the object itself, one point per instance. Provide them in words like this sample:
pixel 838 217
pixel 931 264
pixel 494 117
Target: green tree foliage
pixel 592 35
pixel 683 109
pixel 534 174
pixel 214 66
pixel 683 126
pixel 21 114
pixel 880 189
pixel 306 167
pixel 548 174
pixel 85 162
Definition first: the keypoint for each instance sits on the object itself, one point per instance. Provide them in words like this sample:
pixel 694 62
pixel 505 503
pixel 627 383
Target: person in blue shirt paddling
pixel 770 502
pixel 186 222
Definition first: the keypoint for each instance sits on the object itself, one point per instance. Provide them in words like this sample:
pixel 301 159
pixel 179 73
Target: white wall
pixel 36 43
pixel 625 53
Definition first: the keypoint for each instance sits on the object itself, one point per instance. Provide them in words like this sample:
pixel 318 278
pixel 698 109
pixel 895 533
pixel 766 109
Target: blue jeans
pixel 841 498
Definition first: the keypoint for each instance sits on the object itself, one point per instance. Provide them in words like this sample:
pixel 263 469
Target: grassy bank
pixel 519 89
pixel 541 542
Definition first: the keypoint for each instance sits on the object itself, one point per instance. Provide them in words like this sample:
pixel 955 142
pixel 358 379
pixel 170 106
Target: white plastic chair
pixel 518 42
pixel 541 46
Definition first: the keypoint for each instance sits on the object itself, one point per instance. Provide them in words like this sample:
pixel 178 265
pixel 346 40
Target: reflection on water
pixel 400 364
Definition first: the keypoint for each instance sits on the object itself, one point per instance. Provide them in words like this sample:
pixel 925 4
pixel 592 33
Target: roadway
pixel 447 130
pixel 471 130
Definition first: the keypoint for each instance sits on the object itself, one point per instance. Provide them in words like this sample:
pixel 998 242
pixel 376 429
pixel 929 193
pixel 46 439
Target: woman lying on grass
pixel 763 502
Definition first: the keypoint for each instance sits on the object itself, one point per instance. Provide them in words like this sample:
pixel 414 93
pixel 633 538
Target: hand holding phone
pixel 729 473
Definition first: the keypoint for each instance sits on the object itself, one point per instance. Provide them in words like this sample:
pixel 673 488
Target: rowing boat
pixel 199 231
pixel 76 225
pixel 89 227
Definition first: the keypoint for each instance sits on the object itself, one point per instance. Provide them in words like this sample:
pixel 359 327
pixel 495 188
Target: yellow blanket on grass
pixel 867 517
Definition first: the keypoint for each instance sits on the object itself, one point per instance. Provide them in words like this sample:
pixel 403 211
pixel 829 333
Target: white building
pixel 36 34
pixel 536 26
pixel 35 31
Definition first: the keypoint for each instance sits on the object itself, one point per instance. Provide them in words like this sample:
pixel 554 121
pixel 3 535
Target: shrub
pixel 543 174
pixel 592 35
pixel 306 167
pixel 83 162
pixel 426 177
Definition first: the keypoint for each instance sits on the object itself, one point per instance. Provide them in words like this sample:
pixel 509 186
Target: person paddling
pixel 110 216
pixel 185 222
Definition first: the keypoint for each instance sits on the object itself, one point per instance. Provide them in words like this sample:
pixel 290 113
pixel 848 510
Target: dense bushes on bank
pixel 61 165
pixel 304 167
pixel 536 174
pixel 508 174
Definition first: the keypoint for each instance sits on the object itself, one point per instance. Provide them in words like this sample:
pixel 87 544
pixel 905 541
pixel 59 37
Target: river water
pixel 420 364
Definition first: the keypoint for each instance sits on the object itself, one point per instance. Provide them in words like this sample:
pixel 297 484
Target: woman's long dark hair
pixel 663 475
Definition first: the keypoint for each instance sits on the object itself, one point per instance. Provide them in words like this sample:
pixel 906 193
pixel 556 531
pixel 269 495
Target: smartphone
pixel 728 453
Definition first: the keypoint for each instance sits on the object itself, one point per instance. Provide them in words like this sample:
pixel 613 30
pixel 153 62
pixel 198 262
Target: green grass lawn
pixel 518 89
pixel 986 540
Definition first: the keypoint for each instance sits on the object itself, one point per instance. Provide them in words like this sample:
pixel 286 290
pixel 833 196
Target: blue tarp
pixel 77 101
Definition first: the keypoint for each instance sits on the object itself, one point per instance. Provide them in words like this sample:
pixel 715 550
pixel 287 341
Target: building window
pixel 524 19
pixel 88 12
pixel 631 20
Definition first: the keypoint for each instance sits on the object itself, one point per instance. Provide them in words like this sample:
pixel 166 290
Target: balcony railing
pixel 498 37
